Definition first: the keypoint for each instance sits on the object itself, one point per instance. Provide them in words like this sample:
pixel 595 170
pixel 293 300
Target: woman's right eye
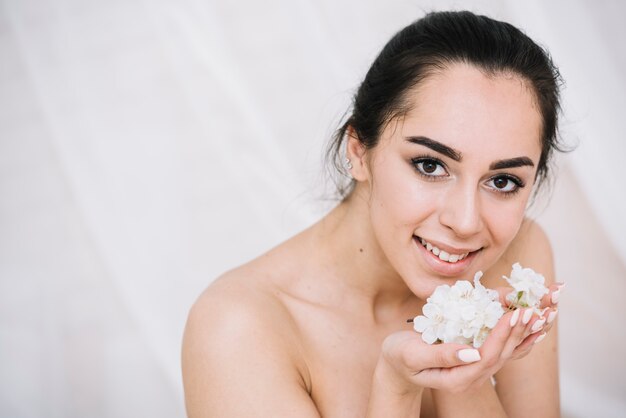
pixel 429 167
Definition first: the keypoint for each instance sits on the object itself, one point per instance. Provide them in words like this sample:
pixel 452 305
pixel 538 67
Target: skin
pixel 317 326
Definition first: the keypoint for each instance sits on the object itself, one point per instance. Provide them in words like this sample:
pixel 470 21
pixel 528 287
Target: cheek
pixel 504 220
pixel 399 200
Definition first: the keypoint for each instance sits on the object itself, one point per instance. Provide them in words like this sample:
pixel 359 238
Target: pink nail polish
pixel 528 313
pixel 551 316
pixel 537 325
pixel 468 355
pixel 540 338
pixel 514 317
pixel 555 296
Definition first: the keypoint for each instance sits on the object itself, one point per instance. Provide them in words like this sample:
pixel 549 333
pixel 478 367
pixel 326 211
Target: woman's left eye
pixel 505 184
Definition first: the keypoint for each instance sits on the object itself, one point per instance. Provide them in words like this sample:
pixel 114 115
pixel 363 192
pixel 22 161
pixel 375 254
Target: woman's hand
pixel 539 325
pixel 408 364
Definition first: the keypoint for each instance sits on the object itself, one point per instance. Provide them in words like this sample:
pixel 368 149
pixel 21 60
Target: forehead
pixel 461 106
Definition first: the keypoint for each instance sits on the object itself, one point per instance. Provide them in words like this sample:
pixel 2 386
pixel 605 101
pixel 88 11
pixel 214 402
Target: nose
pixel 460 210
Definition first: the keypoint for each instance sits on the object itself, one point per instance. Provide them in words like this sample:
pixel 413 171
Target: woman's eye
pixel 504 184
pixel 430 168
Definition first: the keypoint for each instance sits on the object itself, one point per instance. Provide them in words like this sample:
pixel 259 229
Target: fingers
pixel 527 345
pixel 505 332
pixel 551 316
pixel 519 324
pixel 419 356
pixel 472 374
pixel 455 367
pixel 553 296
pixel 435 366
pixel 541 323
pixel 533 332
pixel 512 330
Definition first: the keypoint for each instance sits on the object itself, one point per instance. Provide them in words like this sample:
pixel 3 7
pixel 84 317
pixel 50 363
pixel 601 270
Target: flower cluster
pixel 462 313
pixel 466 313
pixel 529 288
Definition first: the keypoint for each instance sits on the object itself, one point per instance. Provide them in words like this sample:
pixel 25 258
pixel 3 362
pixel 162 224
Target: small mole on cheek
pixel 360 250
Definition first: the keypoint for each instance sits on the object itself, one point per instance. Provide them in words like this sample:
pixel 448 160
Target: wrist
pixel 388 379
pixel 391 395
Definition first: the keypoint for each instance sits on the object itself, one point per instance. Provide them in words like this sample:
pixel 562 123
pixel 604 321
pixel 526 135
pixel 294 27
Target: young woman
pixel 451 131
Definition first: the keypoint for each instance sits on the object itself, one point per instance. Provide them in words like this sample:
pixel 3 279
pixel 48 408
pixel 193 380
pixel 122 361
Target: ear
pixel 356 153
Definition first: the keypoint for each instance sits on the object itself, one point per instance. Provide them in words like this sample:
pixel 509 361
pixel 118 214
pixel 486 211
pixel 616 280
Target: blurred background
pixel 148 146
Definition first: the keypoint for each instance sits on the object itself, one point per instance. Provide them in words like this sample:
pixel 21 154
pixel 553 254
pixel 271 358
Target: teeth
pixel 443 255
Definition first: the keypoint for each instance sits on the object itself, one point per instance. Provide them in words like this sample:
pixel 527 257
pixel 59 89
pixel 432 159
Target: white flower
pixel 529 288
pixel 463 313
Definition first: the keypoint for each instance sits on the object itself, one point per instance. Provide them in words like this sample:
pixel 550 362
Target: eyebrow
pixel 436 146
pixel 458 156
pixel 511 163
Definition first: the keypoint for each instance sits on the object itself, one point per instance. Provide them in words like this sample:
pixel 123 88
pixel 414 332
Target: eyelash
pixel 519 184
pixel 425 158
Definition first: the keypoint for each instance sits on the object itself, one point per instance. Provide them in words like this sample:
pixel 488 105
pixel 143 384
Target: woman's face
pixel 449 182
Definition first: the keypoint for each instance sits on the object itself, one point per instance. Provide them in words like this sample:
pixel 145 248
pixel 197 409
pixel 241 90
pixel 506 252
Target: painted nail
pixel 537 325
pixel 551 316
pixel 514 317
pixel 528 313
pixel 468 355
pixel 555 296
pixel 561 285
pixel 540 338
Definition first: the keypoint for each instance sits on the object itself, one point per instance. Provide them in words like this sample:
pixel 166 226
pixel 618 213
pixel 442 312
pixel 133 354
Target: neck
pixel 350 246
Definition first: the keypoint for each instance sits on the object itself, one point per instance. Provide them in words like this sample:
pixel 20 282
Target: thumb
pixel 419 355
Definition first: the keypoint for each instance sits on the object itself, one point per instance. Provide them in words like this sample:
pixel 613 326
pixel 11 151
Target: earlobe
pixel 356 153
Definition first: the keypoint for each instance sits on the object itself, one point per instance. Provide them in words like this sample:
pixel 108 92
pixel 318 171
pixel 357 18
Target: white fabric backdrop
pixel 146 147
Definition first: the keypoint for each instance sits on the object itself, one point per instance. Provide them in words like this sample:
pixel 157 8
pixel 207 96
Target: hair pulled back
pixel 431 44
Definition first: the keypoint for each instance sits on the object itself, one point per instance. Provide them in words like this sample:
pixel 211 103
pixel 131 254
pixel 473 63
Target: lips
pixel 442 254
pixel 445 260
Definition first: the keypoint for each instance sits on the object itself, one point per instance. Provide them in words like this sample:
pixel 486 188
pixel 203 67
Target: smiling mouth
pixel 444 255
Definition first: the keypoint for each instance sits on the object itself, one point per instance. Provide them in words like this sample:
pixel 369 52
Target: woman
pixel 452 127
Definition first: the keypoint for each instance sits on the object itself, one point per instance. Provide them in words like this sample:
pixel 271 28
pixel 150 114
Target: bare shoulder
pixel 237 303
pixel 240 350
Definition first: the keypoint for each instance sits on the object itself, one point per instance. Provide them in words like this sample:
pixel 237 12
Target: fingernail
pixel 528 313
pixel 537 325
pixel 514 317
pixel 468 355
pixel 540 338
pixel 555 296
pixel 551 316
pixel 561 285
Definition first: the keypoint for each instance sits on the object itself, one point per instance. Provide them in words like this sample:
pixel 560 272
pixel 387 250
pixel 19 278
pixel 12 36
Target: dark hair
pixel 431 44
